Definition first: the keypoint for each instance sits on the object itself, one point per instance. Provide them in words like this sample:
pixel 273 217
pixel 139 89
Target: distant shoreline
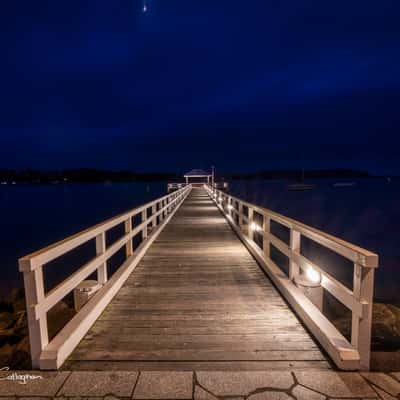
pixel 80 175
pixel 86 175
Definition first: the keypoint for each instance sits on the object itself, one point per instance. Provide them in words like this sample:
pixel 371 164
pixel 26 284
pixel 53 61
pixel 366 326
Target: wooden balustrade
pixel 50 355
pixel 347 355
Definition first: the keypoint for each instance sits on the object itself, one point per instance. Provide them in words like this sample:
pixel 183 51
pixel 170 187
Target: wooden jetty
pixel 199 292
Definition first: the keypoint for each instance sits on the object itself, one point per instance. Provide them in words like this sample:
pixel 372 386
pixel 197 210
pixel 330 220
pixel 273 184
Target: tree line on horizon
pixel 88 175
pixel 79 175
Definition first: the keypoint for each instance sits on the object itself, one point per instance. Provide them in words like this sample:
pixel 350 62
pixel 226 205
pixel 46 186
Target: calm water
pixel 367 214
pixel 35 216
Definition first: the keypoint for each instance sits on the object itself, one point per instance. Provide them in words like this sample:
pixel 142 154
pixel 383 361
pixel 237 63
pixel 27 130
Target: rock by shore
pixel 385 335
pixel 14 340
pixel 385 327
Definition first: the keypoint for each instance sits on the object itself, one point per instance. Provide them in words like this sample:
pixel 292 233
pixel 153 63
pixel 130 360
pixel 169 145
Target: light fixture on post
pixel 254 227
pixel 309 282
pixel 313 275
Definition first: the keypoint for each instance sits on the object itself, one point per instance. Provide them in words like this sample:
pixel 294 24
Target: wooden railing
pixel 51 355
pixel 346 355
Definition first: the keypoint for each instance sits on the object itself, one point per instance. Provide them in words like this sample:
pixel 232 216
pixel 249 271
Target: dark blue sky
pixel 242 85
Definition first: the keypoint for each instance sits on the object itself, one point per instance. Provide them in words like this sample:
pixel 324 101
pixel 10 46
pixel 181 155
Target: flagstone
pixel 335 384
pixel 243 383
pixel 38 383
pixel 164 385
pixel 270 396
pixel 302 393
pixel 99 383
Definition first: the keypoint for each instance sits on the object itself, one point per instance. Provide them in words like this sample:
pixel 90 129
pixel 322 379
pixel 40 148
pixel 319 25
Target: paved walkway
pixel 201 385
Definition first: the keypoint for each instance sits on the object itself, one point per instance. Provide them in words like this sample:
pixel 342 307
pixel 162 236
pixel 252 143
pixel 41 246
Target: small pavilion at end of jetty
pixel 196 176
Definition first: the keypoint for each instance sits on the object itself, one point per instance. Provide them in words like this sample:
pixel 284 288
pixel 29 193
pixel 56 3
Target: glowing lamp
pixel 313 275
pixel 230 206
pixel 254 227
pixel 220 199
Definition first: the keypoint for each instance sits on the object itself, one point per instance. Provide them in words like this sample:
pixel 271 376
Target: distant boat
pixel 301 186
pixel 344 184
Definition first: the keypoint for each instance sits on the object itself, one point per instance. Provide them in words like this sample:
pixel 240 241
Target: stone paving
pixel 199 385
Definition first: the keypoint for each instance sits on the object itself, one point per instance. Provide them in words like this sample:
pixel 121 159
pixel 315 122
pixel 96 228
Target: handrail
pixel 176 185
pixel 50 355
pixel 52 251
pixel 354 355
pixel 352 252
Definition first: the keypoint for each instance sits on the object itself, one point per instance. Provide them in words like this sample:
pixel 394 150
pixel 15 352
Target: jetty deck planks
pixel 197 300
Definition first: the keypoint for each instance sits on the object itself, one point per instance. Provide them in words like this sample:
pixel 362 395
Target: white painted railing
pixel 175 186
pixel 51 355
pixel 346 355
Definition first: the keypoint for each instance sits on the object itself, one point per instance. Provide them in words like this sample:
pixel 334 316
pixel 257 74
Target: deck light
pixel 230 206
pixel 313 275
pixel 220 199
pixel 254 227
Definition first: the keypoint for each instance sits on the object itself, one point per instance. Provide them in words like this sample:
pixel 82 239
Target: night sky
pixel 242 85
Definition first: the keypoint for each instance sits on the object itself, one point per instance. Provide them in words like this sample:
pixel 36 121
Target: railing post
pixel 162 207
pixel 267 231
pixel 240 210
pixel 34 294
pixel 153 211
pixel 100 249
pixel 128 229
pixel 295 243
pixel 159 204
pixel 250 223
pixel 363 289
pixel 144 219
